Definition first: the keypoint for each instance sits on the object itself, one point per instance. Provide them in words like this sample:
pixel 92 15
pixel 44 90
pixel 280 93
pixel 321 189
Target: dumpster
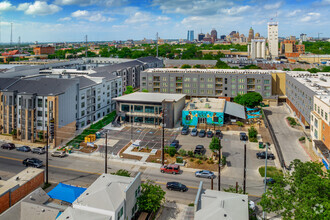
pixel 261 145
pixel 98 134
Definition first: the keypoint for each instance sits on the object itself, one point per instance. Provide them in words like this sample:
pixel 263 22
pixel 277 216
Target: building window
pixel 233 86
pixel 194 79
pixel 202 91
pixel 233 80
pixel 82 123
pixel 138 108
pixel 164 90
pixel 82 96
pixel 241 80
pixel 40 103
pixel 83 105
pixel 187 85
pixel 202 80
pixel 326 116
pixel 187 79
pixel 39 113
pixel 164 79
pixel 209 92
pixel 241 86
pixel 164 84
pixel 120 213
pixel 258 80
pixel 98 91
pixel 82 113
pixel 209 79
pixel 187 91
pixel 149 109
pixel 233 93
pixel 267 87
pixel 267 94
pixel 98 106
pixel 210 86
pixel 202 86
pixel 321 112
pixel 318 109
pixel 39 123
pixel 258 87
pixel 266 81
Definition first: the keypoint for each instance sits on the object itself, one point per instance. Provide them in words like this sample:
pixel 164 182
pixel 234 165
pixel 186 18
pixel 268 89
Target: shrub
pixel 190 153
pixel 172 151
pixel 240 124
pixel 204 157
pixel 182 152
pixel 191 204
pixel 223 160
pixel 253 134
pixel 199 162
pixel 179 160
pixel 302 138
pixel 185 66
pixel 198 156
pixel 166 149
pixel 292 121
pixel 192 159
pixel 210 161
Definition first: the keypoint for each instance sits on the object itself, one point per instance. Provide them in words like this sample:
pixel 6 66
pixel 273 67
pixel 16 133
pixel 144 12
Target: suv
pixel 185 130
pixel 194 132
pixel 23 148
pixel 243 136
pixel 33 162
pixel 209 134
pixel 38 150
pixel 218 134
pixel 8 146
pixel 199 149
pixel 176 186
pixel 171 168
pixel 202 133
pixel 262 155
pixel 175 143
pixel 205 174
pixel 59 154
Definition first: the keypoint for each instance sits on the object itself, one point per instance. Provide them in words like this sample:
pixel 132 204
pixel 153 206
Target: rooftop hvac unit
pixel 192 106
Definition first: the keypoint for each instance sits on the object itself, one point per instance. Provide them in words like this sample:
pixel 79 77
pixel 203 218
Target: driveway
pixel 286 136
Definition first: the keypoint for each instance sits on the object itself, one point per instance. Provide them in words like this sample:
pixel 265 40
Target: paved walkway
pixel 286 135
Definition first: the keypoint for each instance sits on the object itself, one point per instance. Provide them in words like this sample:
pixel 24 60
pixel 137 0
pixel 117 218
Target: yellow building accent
pixel 278 83
pixel 90 138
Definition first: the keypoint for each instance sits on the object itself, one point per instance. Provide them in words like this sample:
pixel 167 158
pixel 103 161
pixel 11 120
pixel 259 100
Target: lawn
pixel 93 128
pixel 271 171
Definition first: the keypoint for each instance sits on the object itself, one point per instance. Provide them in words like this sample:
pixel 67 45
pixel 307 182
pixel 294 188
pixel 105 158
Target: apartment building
pixel 208 82
pixel 301 87
pixel 320 127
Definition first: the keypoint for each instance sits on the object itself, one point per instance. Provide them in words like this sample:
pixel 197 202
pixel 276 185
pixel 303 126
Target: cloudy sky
pixel 102 20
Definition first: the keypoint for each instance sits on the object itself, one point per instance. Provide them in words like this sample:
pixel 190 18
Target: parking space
pixel 188 143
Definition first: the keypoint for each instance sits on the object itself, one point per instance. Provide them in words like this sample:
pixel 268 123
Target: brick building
pixel 44 50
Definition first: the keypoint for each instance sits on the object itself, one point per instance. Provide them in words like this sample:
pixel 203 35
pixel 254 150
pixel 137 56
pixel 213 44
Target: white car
pixel 59 154
pixel 252 205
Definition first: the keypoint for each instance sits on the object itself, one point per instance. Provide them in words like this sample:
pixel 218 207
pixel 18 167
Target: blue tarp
pixel 250 116
pixel 66 192
pixel 251 109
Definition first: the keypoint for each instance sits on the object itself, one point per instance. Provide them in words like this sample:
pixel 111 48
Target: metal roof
pixel 235 109
pixel 149 97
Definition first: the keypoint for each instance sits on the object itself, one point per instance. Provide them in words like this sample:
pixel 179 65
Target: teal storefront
pixel 193 118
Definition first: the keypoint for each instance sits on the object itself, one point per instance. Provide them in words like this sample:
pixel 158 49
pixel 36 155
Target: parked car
pixel 209 134
pixel 176 186
pixel 23 148
pixel 199 149
pixel 218 134
pixel 194 132
pixel 175 143
pixel 8 146
pixel 38 150
pixel 185 130
pixel 262 155
pixel 58 154
pixel 171 168
pixel 32 162
pixel 202 133
pixel 205 174
pixel 243 136
pixel 269 181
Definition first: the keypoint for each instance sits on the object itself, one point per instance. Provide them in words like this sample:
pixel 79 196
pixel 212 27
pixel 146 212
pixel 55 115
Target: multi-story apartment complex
pixel 44 50
pixel 208 82
pixel 273 39
pixel 301 87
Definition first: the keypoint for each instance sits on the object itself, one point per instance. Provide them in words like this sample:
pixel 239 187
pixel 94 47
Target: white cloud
pixel 106 3
pixel 80 13
pixel 312 16
pixel 39 8
pixel 65 19
pixel 6 6
pixel 236 10
pixel 91 16
pixel 145 17
pixel 163 18
pixel 273 6
pixel 293 13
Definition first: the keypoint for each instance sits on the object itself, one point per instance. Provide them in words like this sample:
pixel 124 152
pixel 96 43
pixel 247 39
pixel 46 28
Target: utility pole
pixel 265 179
pixel 106 154
pixel 244 176
pixel 157 44
pixel 47 154
pixel 219 168
pixel 131 126
pixel 86 46
pixel 163 137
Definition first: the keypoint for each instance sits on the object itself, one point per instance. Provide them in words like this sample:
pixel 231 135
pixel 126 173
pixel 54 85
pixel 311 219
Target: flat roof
pixel 210 71
pixel 206 104
pixel 149 97
pixel 317 82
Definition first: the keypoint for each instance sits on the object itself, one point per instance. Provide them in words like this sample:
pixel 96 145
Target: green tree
pixel 172 151
pixel 251 99
pixel 185 66
pixel 253 134
pixel 238 98
pixel 221 65
pixel 129 90
pixel 313 70
pixel 122 172
pixel 252 66
pixel 214 144
pixel 306 195
pixel 151 198
pixel 298 69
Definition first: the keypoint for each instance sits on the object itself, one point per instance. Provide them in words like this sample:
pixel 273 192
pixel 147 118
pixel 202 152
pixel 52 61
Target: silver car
pixel 59 154
pixel 205 174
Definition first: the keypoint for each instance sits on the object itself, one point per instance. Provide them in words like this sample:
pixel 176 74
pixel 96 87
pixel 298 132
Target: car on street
pixel 194 132
pixel 171 168
pixel 58 154
pixel 209 134
pixel 262 155
pixel 176 186
pixel 175 143
pixel 23 148
pixel 218 134
pixel 243 136
pixel 205 174
pixel 199 149
pixel 38 150
pixel 185 130
pixel 8 146
pixel 269 181
pixel 32 162
pixel 202 133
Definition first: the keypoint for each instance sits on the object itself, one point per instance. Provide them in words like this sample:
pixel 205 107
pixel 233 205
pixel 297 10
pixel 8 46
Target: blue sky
pixel 70 20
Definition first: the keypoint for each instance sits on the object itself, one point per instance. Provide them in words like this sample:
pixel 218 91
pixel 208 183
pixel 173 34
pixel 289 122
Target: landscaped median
pixel 271 171
pixel 92 129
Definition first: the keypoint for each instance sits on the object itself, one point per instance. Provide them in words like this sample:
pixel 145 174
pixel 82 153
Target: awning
pixel 235 109
pixel 66 192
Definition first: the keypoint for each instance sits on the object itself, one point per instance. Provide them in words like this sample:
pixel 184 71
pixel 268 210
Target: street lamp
pixel 244 173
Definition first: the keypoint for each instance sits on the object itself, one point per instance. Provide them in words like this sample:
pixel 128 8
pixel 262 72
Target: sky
pixel 107 20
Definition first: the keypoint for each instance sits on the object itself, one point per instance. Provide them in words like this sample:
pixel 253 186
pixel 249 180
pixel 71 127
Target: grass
pixel 271 171
pixel 93 128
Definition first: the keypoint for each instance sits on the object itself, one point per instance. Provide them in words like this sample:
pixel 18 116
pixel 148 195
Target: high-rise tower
pixel 251 35
pixel 190 35
pixel 214 35
pixel 273 39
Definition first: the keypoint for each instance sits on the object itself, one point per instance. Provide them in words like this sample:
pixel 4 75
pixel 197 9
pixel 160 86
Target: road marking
pixel 10 158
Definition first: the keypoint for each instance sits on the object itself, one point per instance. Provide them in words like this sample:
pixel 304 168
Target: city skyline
pixel 102 20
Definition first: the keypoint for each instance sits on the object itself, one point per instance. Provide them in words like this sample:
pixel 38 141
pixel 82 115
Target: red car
pixel 171 168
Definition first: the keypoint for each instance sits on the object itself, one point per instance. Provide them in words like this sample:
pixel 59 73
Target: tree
pixel 185 66
pixel 251 99
pixel 122 172
pixel 214 145
pixel 298 69
pixel 238 98
pixel 305 195
pixel 253 134
pixel 129 90
pixel 151 198
pixel 222 65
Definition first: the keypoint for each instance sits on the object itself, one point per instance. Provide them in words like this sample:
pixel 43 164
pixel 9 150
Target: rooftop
pixel 214 71
pixel 206 104
pixel 150 97
pixel 324 98
pixel 317 82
